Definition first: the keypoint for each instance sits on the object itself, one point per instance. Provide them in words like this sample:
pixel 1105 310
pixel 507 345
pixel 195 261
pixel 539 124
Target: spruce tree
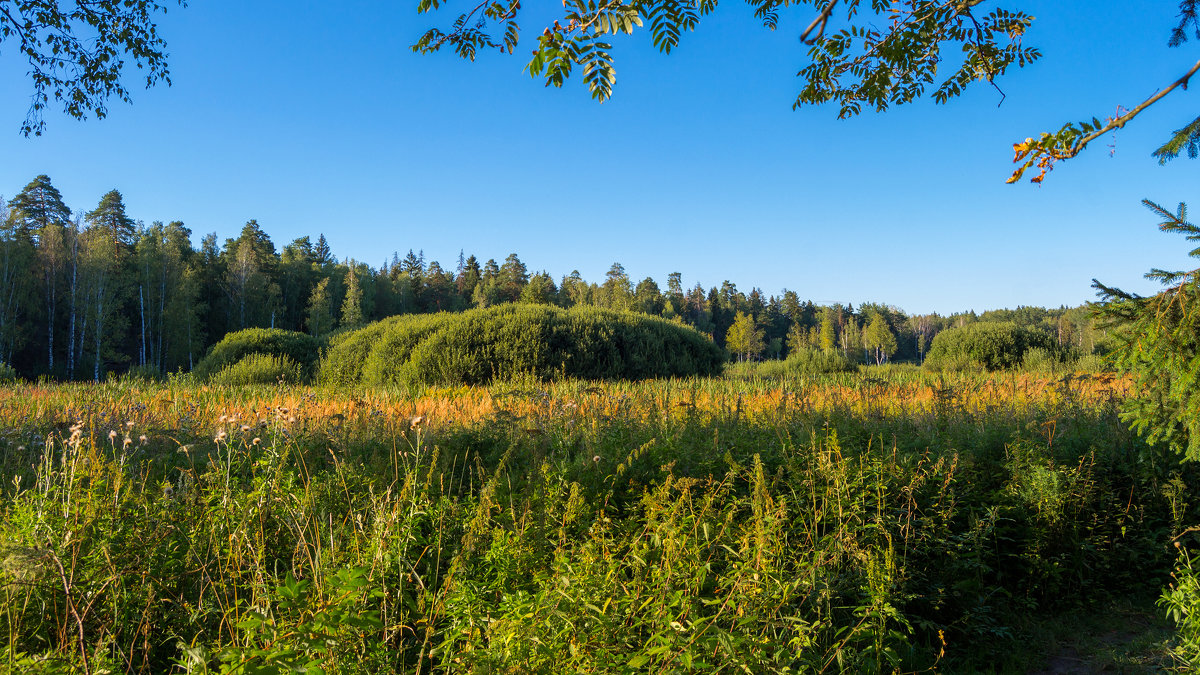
pixel 1158 343
pixel 352 315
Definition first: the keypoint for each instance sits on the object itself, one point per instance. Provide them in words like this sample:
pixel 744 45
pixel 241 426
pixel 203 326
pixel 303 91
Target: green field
pixel 890 521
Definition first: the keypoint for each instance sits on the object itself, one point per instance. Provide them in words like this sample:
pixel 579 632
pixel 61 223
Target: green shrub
pixel 8 374
pixel 1182 603
pixel 142 373
pixel 259 369
pixel 1091 363
pixel 1039 360
pixel 800 362
pixel 816 362
pixel 300 348
pixel 501 342
pixel 990 346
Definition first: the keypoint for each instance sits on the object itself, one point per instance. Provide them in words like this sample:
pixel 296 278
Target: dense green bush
pixel 301 348
pixel 480 345
pixel 987 346
pixel 259 369
pixel 8 374
pixel 801 362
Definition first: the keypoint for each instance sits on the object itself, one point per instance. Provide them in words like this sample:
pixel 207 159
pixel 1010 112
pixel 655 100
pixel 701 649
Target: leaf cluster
pixel 860 64
pixel 77 51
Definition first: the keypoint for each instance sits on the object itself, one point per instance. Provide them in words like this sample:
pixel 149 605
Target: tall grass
pixel 840 523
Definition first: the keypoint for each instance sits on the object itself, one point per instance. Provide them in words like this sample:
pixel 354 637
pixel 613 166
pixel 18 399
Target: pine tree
pixel 352 314
pixel 110 215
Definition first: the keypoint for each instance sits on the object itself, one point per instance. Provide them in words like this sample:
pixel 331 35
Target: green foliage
pixel 1157 343
pixel 1181 600
pixel 144 373
pixel 594 529
pixel 8 374
pixel 987 346
pixel 302 633
pixel 77 52
pixel 802 362
pixel 881 67
pixel 480 345
pixel 259 369
pixel 299 348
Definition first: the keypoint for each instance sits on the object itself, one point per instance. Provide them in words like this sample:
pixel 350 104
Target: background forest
pixel 92 293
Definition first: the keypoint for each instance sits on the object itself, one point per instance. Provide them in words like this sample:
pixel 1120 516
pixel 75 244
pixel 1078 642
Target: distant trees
pixel 83 296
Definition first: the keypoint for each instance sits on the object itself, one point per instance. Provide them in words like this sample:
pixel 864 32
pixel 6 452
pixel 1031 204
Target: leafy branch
pixel 1070 140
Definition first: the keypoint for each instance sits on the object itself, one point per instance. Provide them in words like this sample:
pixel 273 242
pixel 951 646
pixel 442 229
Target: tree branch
pixel 1121 121
pixel 820 21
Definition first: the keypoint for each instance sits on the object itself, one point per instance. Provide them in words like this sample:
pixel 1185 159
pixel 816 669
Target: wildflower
pixel 596 459
pixel 112 435
pixel 416 422
pixel 256 441
pixel 223 419
pixel 245 428
pixel 168 492
pixel 129 424
pixel 221 435
pixel 20 448
pixel 142 439
pixel 292 419
pixel 127 442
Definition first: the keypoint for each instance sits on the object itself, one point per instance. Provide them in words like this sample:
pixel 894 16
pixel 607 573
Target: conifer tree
pixel 352 314
pixel 110 215
pixel 1158 343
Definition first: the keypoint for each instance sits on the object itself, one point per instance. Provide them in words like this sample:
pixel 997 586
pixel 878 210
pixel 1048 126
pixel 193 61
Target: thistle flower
pixel 256 441
pixel 416 422
pixel 112 435
pixel 142 439
pixel 221 435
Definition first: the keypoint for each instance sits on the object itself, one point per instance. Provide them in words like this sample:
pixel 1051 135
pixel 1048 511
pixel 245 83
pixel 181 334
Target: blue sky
pixel 316 117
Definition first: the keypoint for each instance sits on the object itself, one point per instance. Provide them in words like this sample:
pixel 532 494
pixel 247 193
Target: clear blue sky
pixel 316 117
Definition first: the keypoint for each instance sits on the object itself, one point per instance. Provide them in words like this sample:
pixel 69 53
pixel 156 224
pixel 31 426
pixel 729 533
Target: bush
pixel 1039 360
pixel 300 348
pixel 501 342
pixel 259 369
pixel 988 346
pixel 8 374
pixel 800 362
pixel 143 373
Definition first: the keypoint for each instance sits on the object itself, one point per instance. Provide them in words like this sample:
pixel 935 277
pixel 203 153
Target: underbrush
pixel 836 524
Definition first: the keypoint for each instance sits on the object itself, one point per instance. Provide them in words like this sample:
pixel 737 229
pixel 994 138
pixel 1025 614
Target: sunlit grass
pixel 845 522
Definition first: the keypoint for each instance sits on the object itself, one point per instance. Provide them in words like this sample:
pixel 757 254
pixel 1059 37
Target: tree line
pixel 88 293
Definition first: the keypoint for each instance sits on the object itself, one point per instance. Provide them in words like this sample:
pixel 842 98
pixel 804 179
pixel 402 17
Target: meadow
pixel 884 521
